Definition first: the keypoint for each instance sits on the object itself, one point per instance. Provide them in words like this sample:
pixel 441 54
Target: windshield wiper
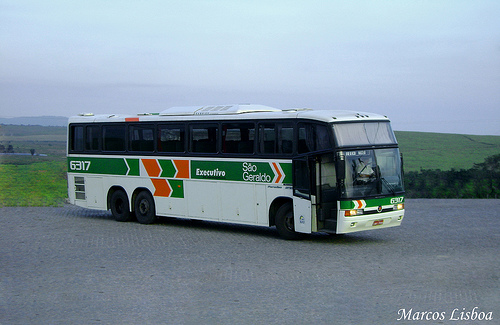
pixel 388 185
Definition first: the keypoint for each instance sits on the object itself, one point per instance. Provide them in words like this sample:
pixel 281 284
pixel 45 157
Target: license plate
pixel 378 222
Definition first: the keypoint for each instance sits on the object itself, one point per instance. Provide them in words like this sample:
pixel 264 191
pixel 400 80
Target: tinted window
pixel 203 138
pixel 76 138
pixel 275 138
pixel 141 138
pixel 301 178
pixel 238 137
pixel 313 137
pixel 114 137
pixel 171 138
pixel 267 139
pixel 285 139
pixel 92 135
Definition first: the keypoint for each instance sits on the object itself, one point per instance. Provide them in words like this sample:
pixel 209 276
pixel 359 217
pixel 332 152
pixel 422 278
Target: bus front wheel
pixel 119 206
pixel 145 211
pixel 285 222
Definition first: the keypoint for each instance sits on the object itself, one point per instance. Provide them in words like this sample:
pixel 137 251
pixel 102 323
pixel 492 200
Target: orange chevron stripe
pixel 152 167
pixel 182 168
pixel 161 187
pixel 277 171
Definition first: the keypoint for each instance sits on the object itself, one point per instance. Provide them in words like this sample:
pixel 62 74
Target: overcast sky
pixel 428 65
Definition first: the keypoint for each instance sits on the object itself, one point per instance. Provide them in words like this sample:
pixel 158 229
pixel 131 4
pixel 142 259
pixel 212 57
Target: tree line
pixel 6 149
pixel 480 181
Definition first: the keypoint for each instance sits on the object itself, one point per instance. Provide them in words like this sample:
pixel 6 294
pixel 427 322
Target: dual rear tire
pixel 120 206
pixel 144 207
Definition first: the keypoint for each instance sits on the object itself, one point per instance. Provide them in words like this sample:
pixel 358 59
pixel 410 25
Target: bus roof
pixel 229 112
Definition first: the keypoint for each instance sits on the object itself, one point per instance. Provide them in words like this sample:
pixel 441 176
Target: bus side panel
pixel 86 191
pixel 261 205
pixel 203 199
pixel 171 207
pixel 238 202
pixel 96 198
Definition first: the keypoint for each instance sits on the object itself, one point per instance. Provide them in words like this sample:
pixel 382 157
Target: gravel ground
pixel 75 266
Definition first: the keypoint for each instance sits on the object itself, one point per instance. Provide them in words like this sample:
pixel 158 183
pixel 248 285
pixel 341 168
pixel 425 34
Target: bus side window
pixel 238 138
pixel 76 138
pixel 276 138
pixel 114 137
pixel 304 145
pixel 286 139
pixel 313 137
pixel 203 138
pixel 322 137
pixel 92 135
pixel 141 138
pixel 171 138
pixel 267 138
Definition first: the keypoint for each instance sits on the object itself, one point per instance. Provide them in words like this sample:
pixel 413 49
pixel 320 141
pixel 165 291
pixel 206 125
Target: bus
pixel 300 170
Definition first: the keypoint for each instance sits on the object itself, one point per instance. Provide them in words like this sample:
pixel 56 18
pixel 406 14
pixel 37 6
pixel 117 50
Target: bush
pixel 481 181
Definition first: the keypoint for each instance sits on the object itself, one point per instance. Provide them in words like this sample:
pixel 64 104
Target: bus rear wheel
pixel 145 210
pixel 285 223
pixel 119 206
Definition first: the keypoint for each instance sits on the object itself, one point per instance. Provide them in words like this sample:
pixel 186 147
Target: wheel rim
pixel 289 224
pixel 143 207
pixel 119 206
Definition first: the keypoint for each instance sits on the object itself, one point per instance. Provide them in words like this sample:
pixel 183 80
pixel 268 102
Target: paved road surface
pixel 75 266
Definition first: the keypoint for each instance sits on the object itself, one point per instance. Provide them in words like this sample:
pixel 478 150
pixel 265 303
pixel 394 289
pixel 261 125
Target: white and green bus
pixel 300 170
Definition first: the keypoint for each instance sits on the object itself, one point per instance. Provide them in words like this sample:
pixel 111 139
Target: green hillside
pixel 422 150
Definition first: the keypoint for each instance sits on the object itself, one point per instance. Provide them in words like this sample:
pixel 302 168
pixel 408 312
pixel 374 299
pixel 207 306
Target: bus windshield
pixel 360 134
pixel 372 173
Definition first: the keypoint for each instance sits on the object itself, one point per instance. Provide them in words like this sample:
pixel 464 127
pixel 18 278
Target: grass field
pixel 41 181
pixel 36 184
pixel 445 151
pixel 33 180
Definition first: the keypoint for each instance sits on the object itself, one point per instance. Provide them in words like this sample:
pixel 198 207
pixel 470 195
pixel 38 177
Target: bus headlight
pixel 399 206
pixel 353 212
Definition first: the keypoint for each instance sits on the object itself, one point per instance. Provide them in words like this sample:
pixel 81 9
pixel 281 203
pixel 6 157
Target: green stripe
pixel 107 166
pixel 255 172
pixel 370 203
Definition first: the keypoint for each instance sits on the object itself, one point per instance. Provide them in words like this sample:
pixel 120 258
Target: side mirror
pixel 340 165
pixel 402 169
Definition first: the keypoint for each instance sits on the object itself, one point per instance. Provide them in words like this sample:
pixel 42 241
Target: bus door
pixel 314 193
pixel 304 193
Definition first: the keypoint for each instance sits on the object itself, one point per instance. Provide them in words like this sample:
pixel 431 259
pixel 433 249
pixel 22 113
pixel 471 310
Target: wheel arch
pixel 111 190
pixel 275 205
